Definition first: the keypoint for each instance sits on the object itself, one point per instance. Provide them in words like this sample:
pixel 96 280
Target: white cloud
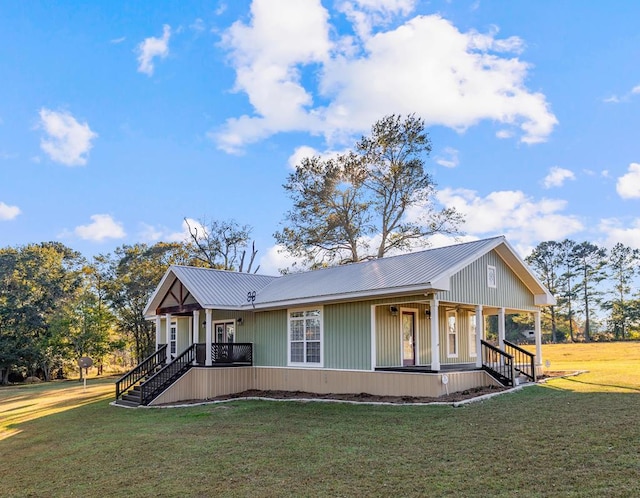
pixel 278 258
pixel 367 14
pixel 557 176
pixel 102 227
pixel 67 141
pixel 267 56
pixel 150 233
pixel 116 41
pixel 197 25
pixel 617 99
pixel 8 212
pixel 628 186
pixel 151 48
pixel 426 65
pixel 305 151
pixel 449 159
pixel 615 232
pixel 522 219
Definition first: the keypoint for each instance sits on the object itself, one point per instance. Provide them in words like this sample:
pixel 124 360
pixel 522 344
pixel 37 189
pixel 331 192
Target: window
pixel 491 276
pixel 172 339
pixel 452 335
pixel 473 351
pixel 305 337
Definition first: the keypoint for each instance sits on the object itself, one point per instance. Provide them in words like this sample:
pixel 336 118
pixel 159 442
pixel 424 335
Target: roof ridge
pixel 217 270
pixel 386 258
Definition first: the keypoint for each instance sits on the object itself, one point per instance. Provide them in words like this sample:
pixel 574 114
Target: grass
pixel 565 438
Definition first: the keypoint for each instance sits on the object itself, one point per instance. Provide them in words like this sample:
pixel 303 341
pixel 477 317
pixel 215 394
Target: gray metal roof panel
pixel 391 273
pixel 220 288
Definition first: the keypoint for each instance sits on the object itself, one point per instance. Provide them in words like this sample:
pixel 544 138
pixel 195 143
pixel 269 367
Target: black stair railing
pixel 154 385
pixel 524 361
pixel 143 369
pixel 498 363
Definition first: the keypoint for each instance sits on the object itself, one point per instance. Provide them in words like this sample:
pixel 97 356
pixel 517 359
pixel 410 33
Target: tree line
pixel 596 290
pixel 57 306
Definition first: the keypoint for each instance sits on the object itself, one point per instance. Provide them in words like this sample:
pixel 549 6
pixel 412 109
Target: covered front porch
pixel 433 336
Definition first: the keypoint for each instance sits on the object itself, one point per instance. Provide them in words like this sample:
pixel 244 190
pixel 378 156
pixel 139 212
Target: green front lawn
pixel 548 440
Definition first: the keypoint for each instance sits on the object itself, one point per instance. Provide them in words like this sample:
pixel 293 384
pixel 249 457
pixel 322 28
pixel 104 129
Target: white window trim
pixel 472 337
pixel 218 322
pixel 492 277
pixel 455 334
pixel 305 364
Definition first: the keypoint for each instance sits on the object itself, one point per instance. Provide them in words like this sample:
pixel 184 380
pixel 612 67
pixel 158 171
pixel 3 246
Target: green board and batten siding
pixel 469 286
pixel 270 343
pixel 347 336
pixel 389 338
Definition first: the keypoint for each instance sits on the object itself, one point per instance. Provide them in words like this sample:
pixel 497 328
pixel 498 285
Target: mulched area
pixel 362 397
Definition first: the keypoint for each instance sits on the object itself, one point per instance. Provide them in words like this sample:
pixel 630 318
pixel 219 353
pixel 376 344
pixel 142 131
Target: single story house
pixel 408 325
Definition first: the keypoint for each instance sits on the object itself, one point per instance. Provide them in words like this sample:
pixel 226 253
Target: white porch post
pixel 158 326
pixel 195 320
pixel 196 326
pixel 209 326
pixel 167 324
pixel 501 327
pixel 479 335
pixel 435 336
pixel 538 336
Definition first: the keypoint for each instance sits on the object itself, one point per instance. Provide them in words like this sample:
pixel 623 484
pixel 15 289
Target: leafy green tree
pixel 343 205
pixel 131 275
pixel 590 263
pixel 35 279
pixel 546 261
pixel 330 217
pixel 567 294
pixel 82 324
pixel 623 266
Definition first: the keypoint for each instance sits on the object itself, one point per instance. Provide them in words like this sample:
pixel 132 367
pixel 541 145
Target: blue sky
pixel 119 119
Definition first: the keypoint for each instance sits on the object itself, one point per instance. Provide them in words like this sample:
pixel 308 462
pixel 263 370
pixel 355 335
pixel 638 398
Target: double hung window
pixel 452 335
pixel 305 337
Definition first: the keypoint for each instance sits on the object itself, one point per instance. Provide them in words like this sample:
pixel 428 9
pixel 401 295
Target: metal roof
pixel 424 271
pixel 211 288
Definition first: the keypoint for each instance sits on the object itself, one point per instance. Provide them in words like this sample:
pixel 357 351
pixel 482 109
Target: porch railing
pixel 498 363
pixel 238 353
pixel 524 361
pixel 147 366
pixel 225 353
pixel 154 385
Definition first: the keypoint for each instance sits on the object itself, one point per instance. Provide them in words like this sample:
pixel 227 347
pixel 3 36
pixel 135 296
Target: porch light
pixel 239 321
pixel 393 310
pixel 427 313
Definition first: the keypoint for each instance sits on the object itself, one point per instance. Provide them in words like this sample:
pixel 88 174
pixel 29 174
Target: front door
pixel 225 331
pixel 408 338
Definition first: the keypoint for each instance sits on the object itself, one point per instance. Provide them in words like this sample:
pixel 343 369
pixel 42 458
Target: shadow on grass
pixel 584 382
pixel 17 410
